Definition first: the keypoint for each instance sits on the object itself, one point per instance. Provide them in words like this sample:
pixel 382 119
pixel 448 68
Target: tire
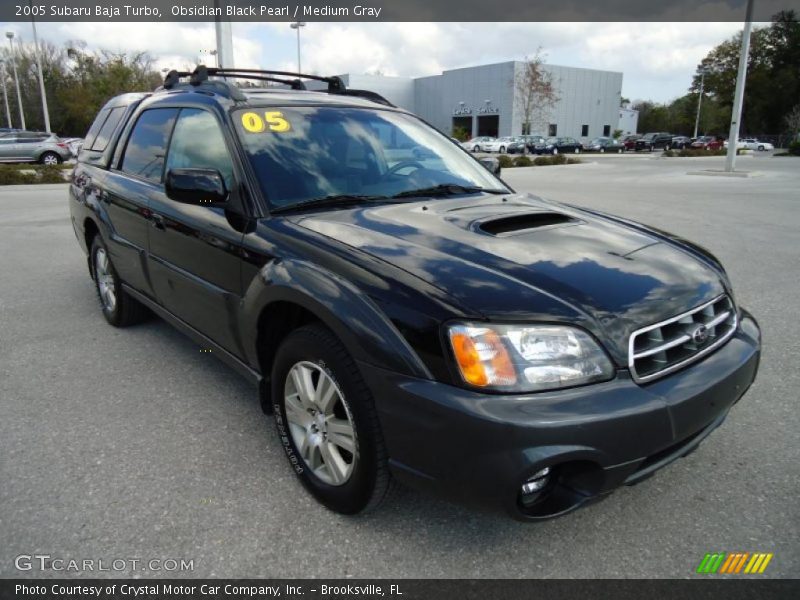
pixel 50 158
pixel 602 150
pixel 667 148
pixel 345 487
pixel 651 148
pixel 476 149
pixel 620 150
pixel 761 148
pixel 502 149
pixel 577 151
pixel 555 151
pixel 124 310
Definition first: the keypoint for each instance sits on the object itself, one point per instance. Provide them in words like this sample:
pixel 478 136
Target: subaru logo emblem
pixel 700 335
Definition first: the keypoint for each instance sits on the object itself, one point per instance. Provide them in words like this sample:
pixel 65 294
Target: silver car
pixel 32 146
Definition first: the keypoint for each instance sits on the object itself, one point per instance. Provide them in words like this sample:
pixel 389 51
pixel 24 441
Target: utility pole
pixel 738 96
pixel 699 100
pixel 296 26
pixel 224 38
pixel 37 54
pixel 5 94
pixel 10 36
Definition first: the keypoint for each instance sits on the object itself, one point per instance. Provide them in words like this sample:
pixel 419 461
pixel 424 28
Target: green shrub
pixel 13 175
pixel 27 174
pixel 505 161
pixel 574 161
pixel 51 174
pixel 522 161
pixel 794 148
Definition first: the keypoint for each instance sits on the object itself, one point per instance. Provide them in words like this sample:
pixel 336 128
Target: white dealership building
pixel 482 99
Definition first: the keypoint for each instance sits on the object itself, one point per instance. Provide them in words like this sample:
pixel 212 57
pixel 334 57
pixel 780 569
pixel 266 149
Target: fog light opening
pixel 533 487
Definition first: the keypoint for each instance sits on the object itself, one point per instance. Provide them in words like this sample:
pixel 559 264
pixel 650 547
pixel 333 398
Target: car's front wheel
pixel 50 158
pixel 119 309
pixel 555 150
pixel 761 148
pixel 476 148
pixel 327 423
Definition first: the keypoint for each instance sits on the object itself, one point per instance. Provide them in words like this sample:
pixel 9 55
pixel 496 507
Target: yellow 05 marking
pixel 272 120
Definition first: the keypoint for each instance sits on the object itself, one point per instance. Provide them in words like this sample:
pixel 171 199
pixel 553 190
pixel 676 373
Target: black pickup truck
pixel 653 141
pixel 405 314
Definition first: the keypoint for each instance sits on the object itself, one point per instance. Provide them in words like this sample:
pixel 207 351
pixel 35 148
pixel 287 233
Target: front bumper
pixel 480 448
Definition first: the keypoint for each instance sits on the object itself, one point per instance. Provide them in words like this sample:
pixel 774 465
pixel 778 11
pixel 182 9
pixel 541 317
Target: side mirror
pixel 204 187
pixel 491 164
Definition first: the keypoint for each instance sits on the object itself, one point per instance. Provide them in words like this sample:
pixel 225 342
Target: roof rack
pixel 201 74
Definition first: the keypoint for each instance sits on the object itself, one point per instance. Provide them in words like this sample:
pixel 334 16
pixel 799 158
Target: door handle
pixel 157 221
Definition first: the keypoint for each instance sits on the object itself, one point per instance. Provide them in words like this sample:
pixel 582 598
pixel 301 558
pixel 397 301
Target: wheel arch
pixel 288 294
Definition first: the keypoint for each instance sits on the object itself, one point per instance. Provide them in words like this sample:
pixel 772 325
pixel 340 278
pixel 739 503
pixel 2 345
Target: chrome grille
pixel 670 345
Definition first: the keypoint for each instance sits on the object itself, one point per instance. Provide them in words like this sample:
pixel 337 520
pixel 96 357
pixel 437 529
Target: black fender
pixel 352 315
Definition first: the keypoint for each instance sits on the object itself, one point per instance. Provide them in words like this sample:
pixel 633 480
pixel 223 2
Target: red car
pixel 629 141
pixel 707 142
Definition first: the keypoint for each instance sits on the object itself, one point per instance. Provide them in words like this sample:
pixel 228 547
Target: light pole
pixel 37 54
pixel 738 95
pixel 699 101
pixel 5 94
pixel 296 26
pixel 10 36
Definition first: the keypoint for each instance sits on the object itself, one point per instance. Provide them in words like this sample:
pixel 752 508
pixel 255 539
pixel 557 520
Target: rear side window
pixel 106 131
pixel 99 120
pixel 147 144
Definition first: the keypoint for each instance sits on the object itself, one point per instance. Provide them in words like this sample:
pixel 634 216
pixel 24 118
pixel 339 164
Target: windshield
pixel 302 154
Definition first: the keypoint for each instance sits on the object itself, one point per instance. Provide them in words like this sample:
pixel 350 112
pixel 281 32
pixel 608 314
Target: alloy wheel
pixel 50 159
pixel 320 423
pixel 105 280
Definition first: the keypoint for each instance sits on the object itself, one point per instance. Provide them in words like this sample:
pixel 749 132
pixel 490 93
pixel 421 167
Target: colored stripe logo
pixel 734 562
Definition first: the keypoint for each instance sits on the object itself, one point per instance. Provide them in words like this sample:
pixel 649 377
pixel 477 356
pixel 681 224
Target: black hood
pixel 519 258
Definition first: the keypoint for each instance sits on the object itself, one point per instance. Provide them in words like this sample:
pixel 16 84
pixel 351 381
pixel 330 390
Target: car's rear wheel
pixel 502 149
pixel 119 309
pixel 761 148
pixel 50 158
pixel 326 419
pixel 555 150
pixel 667 147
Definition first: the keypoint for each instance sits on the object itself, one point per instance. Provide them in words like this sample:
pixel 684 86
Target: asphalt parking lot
pixel 133 444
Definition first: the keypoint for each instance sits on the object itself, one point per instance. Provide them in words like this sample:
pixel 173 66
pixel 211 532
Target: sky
pixel 657 59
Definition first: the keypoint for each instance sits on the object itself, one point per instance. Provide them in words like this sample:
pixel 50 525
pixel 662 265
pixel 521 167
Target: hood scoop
pixel 516 224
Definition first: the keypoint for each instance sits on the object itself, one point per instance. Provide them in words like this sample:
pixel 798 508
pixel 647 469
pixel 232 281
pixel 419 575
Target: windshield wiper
pixel 328 201
pixel 448 189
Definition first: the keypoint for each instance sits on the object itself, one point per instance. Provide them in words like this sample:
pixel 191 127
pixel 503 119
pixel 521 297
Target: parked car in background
pixel 524 143
pixel 476 144
pixel 74 144
pixel 556 145
pixel 604 144
pixel 754 144
pixel 654 141
pixel 679 142
pixel 629 141
pixel 498 145
pixel 33 146
pixel 708 142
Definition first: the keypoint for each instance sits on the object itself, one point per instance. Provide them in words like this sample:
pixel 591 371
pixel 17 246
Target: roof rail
pixel 201 74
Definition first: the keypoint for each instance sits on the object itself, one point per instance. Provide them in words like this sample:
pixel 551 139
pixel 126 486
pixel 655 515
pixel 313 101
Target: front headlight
pixel 520 358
